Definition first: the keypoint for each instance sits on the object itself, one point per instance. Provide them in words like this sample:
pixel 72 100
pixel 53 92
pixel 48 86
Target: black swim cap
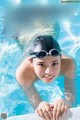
pixel 45 42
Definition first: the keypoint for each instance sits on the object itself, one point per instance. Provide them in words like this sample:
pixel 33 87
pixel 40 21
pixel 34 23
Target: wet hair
pixel 46 42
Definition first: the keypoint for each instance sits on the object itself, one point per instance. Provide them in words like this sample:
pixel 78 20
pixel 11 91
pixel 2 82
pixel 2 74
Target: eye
pixel 42 65
pixel 55 64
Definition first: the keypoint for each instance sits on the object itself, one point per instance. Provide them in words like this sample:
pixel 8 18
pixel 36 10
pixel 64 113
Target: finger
pixel 55 111
pixel 49 112
pixel 46 114
pixel 63 108
pixel 58 112
pixel 43 113
pixel 66 108
pixel 51 107
pixel 36 111
pixel 40 113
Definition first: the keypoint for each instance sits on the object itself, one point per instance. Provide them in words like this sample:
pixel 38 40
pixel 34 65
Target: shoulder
pixel 68 66
pixel 25 74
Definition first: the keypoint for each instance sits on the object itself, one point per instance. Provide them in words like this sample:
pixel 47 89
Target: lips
pixel 49 78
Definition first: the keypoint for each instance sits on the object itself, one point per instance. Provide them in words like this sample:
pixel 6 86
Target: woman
pixel 46 62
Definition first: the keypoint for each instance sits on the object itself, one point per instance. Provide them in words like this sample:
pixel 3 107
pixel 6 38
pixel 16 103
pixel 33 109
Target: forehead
pixel 47 59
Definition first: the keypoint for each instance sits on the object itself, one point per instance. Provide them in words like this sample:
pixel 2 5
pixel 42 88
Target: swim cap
pixel 45 43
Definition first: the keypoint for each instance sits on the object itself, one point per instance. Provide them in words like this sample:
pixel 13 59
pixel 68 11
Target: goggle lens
pixel 55 52
pixel 42 54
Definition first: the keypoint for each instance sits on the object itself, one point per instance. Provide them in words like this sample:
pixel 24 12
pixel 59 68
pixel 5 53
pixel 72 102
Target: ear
pixel 31 60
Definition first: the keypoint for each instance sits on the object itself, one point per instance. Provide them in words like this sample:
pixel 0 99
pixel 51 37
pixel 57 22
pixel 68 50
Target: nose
pixel 48 71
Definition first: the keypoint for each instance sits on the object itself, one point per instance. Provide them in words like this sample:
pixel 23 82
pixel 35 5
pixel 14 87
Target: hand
pixel 59 108
pixel 44 110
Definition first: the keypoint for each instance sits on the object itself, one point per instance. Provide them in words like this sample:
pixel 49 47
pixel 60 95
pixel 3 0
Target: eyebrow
pixel 55 61
pixel 51 61
pixel 40 62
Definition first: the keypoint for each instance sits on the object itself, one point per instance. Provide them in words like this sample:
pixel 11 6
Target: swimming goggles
pixel 43 53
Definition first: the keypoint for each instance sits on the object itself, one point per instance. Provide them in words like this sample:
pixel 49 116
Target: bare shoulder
pixel 68 66
pixel 25 74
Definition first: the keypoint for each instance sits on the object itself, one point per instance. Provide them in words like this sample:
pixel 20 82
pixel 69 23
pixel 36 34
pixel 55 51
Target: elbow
pixel 18 76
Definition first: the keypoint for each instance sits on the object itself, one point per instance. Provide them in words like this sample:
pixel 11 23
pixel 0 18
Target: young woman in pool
pixel 46 62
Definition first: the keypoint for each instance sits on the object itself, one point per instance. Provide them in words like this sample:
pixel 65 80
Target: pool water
pixel 12 98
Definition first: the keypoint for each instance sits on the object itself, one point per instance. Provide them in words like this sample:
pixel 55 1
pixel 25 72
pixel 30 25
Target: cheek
pixel 57 70
pixel 38 71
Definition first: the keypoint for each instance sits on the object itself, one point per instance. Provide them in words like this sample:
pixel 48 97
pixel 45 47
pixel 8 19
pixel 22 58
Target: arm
pixel 69 83
pixel 70 90
pixel 26 78
pixel 33 96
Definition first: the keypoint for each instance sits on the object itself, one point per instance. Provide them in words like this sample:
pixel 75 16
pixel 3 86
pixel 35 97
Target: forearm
pixel 70 91
pixel 33 96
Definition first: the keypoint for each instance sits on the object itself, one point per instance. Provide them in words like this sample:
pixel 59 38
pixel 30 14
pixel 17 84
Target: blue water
pixel 12 98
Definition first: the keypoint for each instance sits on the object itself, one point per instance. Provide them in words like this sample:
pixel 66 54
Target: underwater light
pixel 67 24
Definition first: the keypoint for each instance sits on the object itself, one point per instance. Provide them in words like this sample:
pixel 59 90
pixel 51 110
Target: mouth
pixel 48 78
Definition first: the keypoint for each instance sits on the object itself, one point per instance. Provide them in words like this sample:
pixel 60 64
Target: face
pixel 47 69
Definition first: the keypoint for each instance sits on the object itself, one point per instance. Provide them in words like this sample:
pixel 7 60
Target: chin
pixel 47 81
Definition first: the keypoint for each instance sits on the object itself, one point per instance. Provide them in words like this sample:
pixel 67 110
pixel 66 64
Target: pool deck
pixel 71 114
